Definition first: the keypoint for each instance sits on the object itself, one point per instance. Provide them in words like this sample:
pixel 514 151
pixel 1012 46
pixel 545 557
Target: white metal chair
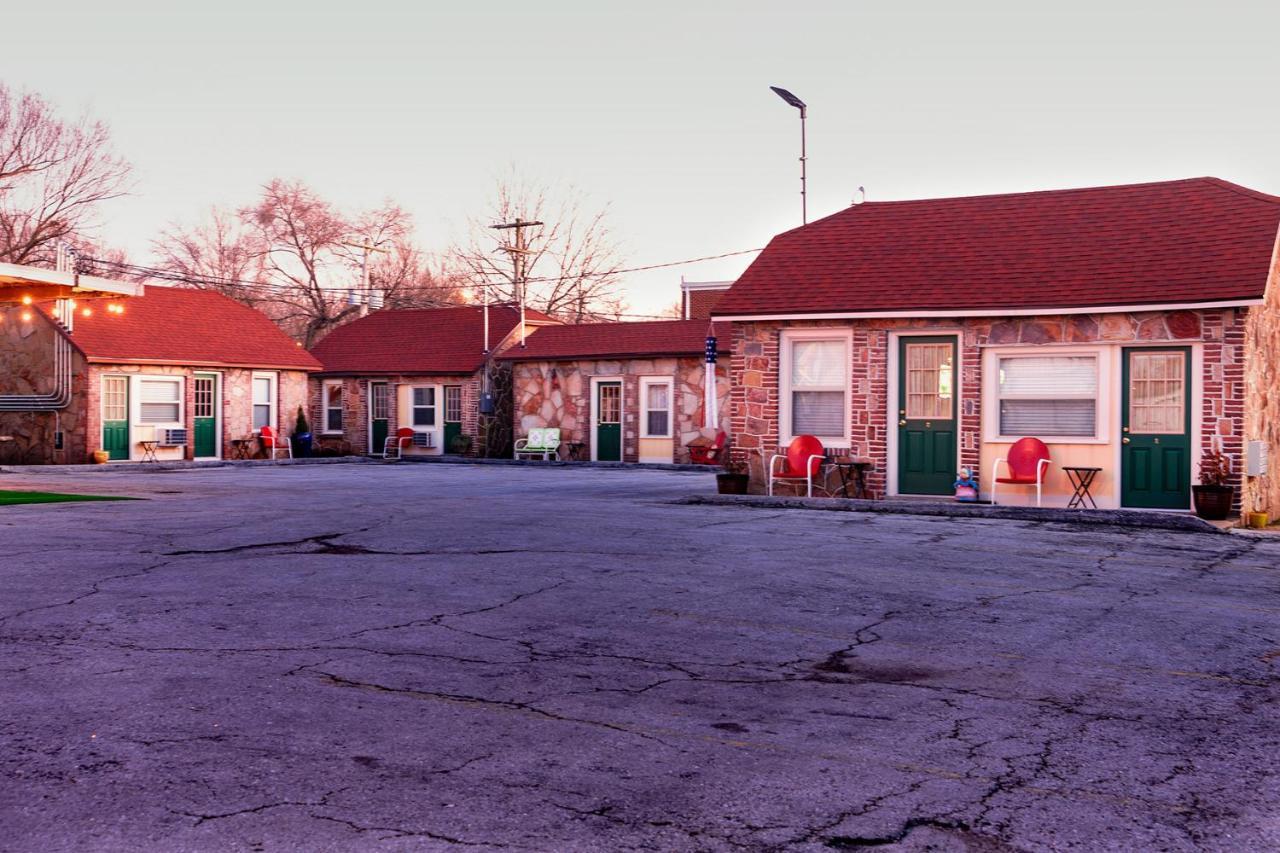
pixel 544 442
pixel 272 441
pixel 802 461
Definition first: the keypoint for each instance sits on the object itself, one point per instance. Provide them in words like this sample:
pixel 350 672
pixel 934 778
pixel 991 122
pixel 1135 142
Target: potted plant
pixel 460 445
pixel 301 438
pixel 101 457
pixel 1259 518
pixel 733 478
pixel 1213 496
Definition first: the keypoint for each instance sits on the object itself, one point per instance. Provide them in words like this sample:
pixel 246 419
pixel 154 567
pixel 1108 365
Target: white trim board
pixel 989 312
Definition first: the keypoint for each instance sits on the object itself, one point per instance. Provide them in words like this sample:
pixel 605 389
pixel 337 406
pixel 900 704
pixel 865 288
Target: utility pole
pixel 518 251
pixel 365 247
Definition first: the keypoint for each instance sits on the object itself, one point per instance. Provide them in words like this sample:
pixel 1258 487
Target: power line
pixel 278 289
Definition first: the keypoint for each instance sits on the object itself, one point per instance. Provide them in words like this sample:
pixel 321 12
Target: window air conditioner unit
pixel 172 438
pixel 424 439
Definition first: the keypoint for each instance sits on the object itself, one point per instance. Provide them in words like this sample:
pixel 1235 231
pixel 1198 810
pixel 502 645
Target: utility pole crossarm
pixel 518 251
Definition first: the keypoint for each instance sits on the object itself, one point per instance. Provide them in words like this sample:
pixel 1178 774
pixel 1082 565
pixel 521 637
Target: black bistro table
pixel 853 472
pixel 1081 478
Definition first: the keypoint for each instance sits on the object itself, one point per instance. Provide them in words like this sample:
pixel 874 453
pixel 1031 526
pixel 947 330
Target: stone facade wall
pixel 235 406
pixel 355 405
pixel 1262 390
pixel 558 394
pixel 755 366
pixel 27 350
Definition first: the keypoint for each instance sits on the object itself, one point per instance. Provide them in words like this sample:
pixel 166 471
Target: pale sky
pixel 660 109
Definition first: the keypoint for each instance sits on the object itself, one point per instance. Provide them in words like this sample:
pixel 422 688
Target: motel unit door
pixel 452 415
pixel 379 415
pixel 609 422
pixel 1155 428
pixel 205 415
pixel 926 414
pixel 115 416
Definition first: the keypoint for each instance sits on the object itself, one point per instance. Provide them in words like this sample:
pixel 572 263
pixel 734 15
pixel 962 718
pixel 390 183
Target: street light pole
pixel 800 105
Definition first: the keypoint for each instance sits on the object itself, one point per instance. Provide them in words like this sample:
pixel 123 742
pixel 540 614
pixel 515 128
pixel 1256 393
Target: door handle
pixel 902 423
pixel 1124 440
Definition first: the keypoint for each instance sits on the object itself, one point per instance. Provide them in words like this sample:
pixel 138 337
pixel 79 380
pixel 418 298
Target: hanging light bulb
pixel 72 304
pixel 26 300
pixel 26 316
pixel 87 312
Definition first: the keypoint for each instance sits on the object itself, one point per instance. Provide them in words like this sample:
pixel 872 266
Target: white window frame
pixel 791 336
pixel 326 407
pixel 436 407
pixel 273 402
pixel 167 379
pixel 1105 357
pixel 647 382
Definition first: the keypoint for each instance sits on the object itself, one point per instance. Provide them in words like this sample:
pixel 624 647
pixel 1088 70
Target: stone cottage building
pixel 625 392
pixel 1131 328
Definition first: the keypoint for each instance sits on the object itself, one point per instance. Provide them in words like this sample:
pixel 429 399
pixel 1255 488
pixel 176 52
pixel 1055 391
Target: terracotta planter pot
pixel 732 484
pixel 1212 502
pixel 101 457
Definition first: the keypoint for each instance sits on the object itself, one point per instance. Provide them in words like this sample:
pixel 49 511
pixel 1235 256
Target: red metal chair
pixel 1028 460
pixel 271 442
pixel 801 463
pixel 393 447
pixel 708 454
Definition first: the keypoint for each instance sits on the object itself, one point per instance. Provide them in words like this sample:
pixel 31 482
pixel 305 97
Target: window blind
pixel 817 413
pixel 1048 417
pixel 817 363
pixel 1049 376
pixel 159 401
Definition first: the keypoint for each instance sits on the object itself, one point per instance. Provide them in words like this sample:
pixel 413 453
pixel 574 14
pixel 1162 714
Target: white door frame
pixel 217 410
pixel 622 413
pixel 368 411
pixel 891 413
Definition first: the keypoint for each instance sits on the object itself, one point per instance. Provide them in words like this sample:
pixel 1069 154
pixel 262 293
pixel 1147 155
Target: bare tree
pixel 221 253
pixel 406 278
pixel 54 174
pixel 572 267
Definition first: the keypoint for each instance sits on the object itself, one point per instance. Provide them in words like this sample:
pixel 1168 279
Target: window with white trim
pixel 333 406
pixel 264 400
pixel 1047 395
pixel 424 406
pixel 815 386
pixel 655 407
pixel 160 401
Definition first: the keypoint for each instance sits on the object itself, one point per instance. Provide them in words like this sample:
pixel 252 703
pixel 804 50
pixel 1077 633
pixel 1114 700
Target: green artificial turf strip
pixel 8 497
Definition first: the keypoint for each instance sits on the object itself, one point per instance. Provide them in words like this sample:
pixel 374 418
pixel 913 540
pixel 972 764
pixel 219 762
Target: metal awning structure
pixel 39 285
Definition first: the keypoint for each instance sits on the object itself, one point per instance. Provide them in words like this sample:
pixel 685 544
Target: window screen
pixel 160 401
pixel 818 386
pixel 1049 396
pixel 657 402
pixel 424 406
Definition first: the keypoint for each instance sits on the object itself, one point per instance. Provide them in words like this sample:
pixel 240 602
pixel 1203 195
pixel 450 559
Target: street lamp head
pixel 789 98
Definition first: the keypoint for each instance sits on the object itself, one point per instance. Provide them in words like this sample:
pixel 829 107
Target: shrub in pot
pixel 1212 498
pixel 460 445
pixel 733 478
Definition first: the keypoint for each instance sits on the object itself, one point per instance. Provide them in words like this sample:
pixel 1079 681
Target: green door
pixel 926 415
pixel 205 415
pixel 379 415
pixel 115 416
pixel 452 416
pixel 1155 428
pixel 609 422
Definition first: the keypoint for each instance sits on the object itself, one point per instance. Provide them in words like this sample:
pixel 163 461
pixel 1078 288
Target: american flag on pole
pixel 709 393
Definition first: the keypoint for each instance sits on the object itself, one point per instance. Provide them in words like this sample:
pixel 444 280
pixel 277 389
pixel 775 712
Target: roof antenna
pixel 861 196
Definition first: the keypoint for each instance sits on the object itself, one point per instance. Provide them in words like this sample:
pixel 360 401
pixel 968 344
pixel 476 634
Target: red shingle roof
pixel 616 340
pixel 174 325
pixel 1190 241
pixel 418 340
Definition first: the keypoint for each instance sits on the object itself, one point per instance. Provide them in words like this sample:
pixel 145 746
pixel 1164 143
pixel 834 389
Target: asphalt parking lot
pixel 352 657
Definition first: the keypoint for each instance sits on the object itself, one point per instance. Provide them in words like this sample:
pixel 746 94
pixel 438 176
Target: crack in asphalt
pixel 481 701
